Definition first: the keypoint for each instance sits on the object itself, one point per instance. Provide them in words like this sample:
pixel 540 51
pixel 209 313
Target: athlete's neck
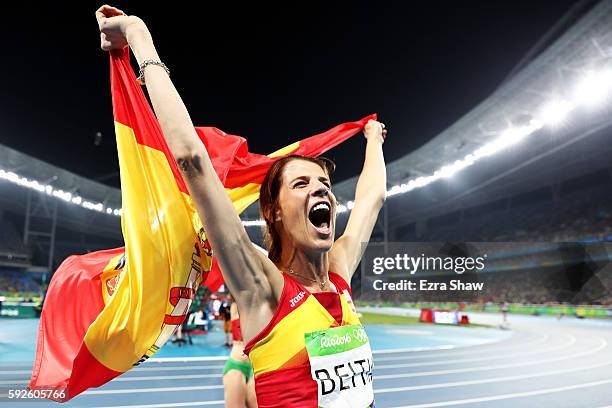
pixel 313 269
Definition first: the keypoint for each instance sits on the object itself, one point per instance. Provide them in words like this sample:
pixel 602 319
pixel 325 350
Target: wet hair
pixel 268 198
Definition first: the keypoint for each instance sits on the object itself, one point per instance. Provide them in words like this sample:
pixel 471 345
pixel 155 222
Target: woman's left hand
pixel 375 130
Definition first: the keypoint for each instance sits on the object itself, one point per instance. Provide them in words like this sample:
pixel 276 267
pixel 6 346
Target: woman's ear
pixel 272 215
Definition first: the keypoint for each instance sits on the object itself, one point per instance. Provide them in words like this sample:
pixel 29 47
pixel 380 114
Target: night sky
pixel 273 74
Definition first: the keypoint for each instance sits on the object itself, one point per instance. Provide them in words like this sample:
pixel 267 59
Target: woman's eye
pixel 299 184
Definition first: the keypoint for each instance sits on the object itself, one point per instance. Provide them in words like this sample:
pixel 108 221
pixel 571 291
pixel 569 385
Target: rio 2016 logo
pixel 360 335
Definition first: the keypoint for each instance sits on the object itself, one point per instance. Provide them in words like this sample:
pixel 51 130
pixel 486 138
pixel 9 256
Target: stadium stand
pixel 581 214
pixel 12 250
pixel 14 282
pixel 549 223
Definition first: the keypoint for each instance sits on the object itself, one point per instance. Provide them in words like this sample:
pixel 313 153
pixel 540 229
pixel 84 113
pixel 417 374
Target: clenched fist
pixel 114 25
pixel 375 129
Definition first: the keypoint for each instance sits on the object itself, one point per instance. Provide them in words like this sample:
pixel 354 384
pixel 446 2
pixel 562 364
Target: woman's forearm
pixel 240 264
pixel 369 199
pixel 372 183
pixel 169 108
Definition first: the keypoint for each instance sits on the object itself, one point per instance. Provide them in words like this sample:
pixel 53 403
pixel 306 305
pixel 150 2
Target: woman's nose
pixel 321 191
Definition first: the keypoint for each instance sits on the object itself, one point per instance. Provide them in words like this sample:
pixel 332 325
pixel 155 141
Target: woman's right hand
pixel 114 25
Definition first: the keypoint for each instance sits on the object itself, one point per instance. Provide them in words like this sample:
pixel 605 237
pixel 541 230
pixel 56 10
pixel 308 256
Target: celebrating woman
pixel 303 336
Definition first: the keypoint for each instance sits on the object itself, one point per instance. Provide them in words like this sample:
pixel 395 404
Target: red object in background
pixel 426 316
pixel 465 319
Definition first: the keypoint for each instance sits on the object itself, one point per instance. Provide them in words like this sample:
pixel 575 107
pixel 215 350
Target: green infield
pixel 376 318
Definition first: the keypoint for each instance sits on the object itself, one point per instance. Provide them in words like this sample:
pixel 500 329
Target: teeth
pixel 320 206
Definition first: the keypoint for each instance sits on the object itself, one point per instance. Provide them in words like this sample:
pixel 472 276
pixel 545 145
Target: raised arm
pixel 242 267
pixel 369 199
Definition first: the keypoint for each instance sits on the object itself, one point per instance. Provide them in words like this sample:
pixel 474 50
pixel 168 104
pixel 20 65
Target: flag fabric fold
pixel 108 311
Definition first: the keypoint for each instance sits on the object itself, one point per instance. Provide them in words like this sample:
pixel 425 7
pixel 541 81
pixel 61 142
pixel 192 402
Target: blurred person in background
pixel 225 313
pixel 238 381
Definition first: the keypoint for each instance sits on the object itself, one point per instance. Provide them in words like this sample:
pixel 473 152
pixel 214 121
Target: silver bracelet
pixel 146 63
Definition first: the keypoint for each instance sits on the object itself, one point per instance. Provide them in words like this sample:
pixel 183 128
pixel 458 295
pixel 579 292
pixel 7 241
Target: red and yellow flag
pixel 108 311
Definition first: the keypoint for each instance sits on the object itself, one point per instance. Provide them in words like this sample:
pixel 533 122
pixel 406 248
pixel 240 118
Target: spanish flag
pixel 108 311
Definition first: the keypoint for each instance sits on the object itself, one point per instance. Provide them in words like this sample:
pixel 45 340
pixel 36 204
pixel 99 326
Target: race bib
pixel 341 364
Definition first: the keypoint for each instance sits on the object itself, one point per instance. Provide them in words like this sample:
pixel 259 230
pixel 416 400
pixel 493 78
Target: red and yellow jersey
pixel 278 354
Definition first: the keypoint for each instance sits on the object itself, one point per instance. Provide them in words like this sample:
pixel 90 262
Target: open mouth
pixel 320 216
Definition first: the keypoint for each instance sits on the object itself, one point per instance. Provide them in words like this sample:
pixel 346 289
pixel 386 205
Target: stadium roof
pixel 580 143
pixel 19 168
pixel 34 169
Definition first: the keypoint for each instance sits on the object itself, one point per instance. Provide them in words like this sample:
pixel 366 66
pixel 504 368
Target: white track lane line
pixel 124 377
pixel 185 359
pixel 182 368
pixel 177 368
pixel 509 396
pixel 141 368
pixel 473 350
pixel 168 377
pixel 14 382
pixel 145 390
pixel 143 378
pixel 170 405
pixel 571 342
pixel 13 372
pixel 414 349
pixel 490 380
pixel 154 389
pixel 134 378
pixel 603 344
